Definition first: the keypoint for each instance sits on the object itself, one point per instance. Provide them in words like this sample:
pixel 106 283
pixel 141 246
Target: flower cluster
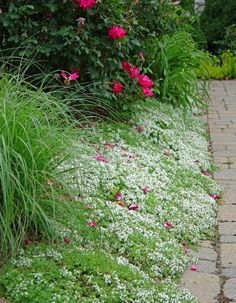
pixel 67 77
pixel 116 32
pixel 144 81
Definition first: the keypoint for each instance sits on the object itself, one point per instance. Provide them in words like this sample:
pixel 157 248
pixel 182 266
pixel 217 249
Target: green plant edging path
pixel 215 281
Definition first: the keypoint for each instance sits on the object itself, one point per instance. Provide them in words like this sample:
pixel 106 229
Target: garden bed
pixel 143 195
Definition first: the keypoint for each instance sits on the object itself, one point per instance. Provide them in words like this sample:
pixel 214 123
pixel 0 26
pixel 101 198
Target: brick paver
pixel 215 280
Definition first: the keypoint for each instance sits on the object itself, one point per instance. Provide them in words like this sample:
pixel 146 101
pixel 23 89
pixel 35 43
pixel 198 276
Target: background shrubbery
pixel 217 16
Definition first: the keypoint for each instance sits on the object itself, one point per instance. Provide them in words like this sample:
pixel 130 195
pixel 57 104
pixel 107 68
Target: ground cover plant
pixel 144 195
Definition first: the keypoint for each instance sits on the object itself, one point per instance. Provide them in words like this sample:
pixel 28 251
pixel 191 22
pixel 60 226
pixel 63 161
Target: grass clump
pixel 35 137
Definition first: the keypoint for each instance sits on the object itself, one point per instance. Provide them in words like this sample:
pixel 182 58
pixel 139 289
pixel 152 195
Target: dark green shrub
pixel 216 17
pixel 63 36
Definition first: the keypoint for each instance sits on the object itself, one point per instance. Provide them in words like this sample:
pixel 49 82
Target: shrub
pixel 216 17
pixel 65 35
pixel 219 67
pixel 174 60
pixel 35 139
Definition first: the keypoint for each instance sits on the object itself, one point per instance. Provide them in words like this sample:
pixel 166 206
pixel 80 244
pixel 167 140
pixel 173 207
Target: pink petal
pixel 92 223
pixel 146 189
pixel 101 158
pixel 118 196
pixel 168 224
pixel 133 207
pixel 193 267
pixel 64 75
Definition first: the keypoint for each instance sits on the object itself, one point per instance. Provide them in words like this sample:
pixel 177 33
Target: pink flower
pixel 64 75
pixel 118 196
pixel 70 77
pixel 116 32
pixel 205 172
pixel 146 189
pixel 100 158
pixel 73 76
pixel 147 92
pixel 145 81
pixel 133 207
pixel 117 87
pixel 193 267
pixel 126 66
pixel 214 196
pixel 168 224
pixel 141 56
pixel 92 223
pixel 66 240
pixel 134 72
pixel 85 4
pixel 138 128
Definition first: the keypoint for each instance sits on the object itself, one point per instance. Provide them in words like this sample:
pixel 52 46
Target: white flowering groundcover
pixel 143 195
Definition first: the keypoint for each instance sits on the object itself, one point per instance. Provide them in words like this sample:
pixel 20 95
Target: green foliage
pixel 219 67
pixel 70 275
pixel 188 5
pixel 63 36
pixel 34 142
pixel 174 60
pixel 229 41
pixel 216 17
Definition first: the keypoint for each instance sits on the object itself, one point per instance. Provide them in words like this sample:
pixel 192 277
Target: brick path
pixel 215 280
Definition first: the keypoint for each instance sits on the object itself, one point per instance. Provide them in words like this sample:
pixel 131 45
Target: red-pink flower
pixel 133 207
pixel 147 92
pixel 193 267
pixel 214 196
pixel 85 4
pixel 168 224
pixel 70 77
pixel 117 87
pixel 92 223
pixel 145 81
pixel 73 76
pixel 146 189
pixel 138 128
pixel 134 72
pixel 126 66
pixel 100 158
pixel 118 196
pixel 116 32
